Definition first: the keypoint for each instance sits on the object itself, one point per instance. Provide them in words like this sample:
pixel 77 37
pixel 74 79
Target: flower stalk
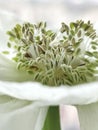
pixel 52 121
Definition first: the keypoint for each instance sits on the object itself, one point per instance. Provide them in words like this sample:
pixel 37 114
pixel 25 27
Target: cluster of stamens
pixel 68 58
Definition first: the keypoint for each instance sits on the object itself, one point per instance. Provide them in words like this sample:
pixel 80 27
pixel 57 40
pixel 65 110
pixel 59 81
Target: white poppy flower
pixel 24 104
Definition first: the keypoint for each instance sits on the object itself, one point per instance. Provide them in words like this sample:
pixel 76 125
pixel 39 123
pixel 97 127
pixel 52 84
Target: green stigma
pixel 68 56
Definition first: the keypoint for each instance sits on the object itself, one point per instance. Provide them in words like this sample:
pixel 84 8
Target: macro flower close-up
pixel 41 69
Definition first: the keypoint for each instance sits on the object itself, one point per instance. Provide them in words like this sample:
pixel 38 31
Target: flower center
pixel 68 58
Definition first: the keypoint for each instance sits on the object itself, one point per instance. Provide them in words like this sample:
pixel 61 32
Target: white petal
pixel 80 94
pixel 88 116
pixel 20 114
pixel 8 71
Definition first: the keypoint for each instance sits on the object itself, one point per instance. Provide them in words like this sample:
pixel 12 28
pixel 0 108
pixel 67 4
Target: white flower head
pixel 37 59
